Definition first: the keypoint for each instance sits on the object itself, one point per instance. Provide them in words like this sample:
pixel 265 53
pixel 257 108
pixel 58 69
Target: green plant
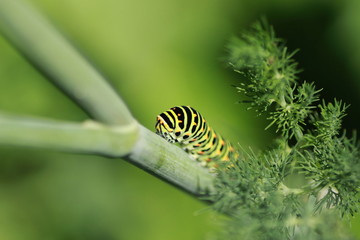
pixel 311 145
pixel 255 192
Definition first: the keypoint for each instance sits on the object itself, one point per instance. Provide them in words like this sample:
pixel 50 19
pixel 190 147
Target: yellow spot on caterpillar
pixel 225 159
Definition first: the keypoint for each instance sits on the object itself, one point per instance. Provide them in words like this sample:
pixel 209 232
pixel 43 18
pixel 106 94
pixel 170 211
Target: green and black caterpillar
pixel 186 126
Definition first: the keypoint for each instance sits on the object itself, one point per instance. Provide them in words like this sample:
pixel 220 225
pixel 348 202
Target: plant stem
pixel 148 151
pixel 171 163
pixel 89 137
pixel 50 52
pixel 286 190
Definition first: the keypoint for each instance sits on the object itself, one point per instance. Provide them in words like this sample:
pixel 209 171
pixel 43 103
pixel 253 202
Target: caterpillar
pixel 186 126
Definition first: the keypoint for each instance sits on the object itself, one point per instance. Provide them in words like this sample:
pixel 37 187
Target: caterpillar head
pixel 165 130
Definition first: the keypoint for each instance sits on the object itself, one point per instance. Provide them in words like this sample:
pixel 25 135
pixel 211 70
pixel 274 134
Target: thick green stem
pixel 142 148
pixel 89 137
pixel 171 163
pixel 51 53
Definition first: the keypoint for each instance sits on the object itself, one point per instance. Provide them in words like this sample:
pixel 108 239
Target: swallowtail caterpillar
pixel 187 127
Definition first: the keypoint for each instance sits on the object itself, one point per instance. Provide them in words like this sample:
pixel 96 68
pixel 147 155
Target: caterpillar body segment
pixel 187 127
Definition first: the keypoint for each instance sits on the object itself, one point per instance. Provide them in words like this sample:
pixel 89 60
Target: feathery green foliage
pixel 311 145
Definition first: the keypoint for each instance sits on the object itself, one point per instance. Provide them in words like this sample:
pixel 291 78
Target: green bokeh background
pixel 157 54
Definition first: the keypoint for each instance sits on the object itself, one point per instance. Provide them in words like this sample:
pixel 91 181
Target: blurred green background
pixel 157 54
